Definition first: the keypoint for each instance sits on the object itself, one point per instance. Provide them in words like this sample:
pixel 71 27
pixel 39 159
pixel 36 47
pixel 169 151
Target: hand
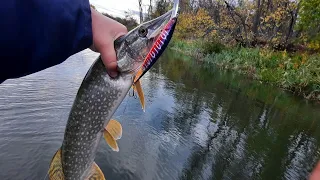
pixel 315 174
pixel 105 31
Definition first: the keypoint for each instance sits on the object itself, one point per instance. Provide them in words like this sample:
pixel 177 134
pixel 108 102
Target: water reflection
pixel 200 123
pixel 249 131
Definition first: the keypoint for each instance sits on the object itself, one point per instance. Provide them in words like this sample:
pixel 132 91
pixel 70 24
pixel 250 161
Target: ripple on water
pixel 198 124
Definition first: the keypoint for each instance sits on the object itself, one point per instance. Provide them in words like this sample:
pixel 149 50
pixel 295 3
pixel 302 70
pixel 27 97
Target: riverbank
pixel 295 72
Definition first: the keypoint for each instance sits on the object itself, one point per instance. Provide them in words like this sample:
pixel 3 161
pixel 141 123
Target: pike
pixel 99 97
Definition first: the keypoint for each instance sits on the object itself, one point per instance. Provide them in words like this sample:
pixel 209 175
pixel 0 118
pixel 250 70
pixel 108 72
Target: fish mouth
pixel 160 37
pixel 162 29
pixel 155 30
pixel 157 25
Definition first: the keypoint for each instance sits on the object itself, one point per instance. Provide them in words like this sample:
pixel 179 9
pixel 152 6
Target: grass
pixel 298 73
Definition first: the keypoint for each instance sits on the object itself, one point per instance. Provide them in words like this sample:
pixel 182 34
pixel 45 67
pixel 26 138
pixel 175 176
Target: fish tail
pixel 56 170
pixel 96 173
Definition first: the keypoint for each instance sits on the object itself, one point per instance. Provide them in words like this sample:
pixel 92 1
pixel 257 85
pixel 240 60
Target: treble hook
pixel 133 94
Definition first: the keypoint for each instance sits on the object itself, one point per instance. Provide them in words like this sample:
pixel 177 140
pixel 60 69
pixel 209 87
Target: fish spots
pixel 92 107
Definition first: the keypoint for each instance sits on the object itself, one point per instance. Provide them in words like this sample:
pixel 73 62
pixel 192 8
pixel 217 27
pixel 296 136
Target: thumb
pixel 109 57
pixel 105 30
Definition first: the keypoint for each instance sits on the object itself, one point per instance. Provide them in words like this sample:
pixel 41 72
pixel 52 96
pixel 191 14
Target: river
pixel 200 123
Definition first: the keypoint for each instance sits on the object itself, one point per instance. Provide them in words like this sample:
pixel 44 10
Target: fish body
pixel 100 95
pixel 96 101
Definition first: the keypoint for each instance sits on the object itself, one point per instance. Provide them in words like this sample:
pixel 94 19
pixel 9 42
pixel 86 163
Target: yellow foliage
pixel 304 58
pixel 194 25
pixel 284 54
pixel 314 45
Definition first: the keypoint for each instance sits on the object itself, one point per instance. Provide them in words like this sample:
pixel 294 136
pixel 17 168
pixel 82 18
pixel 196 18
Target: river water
pixel 200 123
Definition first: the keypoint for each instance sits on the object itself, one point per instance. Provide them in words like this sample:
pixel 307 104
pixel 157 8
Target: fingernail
pixel 113 74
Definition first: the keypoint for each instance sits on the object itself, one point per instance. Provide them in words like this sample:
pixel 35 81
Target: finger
pixel 109 59
pixel 315 175
pixel 105 31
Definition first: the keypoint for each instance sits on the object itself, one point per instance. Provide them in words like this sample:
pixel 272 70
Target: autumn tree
pixel 277 24
pixel 195 25
pixel 309 23
pixel 161 7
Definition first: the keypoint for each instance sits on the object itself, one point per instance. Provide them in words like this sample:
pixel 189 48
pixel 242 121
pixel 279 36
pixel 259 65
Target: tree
pixel 140 10
pixel 161 7
pixel 279 24
pixel 309 22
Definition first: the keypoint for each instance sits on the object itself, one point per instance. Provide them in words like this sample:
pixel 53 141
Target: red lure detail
pixel 157 46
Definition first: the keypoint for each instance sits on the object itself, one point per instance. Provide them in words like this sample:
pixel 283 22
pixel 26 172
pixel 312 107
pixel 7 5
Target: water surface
pixel 200 123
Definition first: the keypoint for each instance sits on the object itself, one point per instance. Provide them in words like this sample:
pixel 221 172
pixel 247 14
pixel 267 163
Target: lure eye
pixel 143 31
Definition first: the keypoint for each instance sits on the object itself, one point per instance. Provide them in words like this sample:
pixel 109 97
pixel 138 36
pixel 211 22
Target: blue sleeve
pixel 37 34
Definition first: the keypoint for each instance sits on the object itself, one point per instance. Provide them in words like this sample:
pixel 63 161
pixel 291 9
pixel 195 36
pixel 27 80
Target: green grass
pixel 192 48
pixel 299 73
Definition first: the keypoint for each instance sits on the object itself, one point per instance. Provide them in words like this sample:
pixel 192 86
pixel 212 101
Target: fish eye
pixel 143 31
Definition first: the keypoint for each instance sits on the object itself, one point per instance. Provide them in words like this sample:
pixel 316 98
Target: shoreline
pixel 308 90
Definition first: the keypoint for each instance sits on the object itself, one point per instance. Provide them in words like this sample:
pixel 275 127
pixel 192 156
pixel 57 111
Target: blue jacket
pixel 37 34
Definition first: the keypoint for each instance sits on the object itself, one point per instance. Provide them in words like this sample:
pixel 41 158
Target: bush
pixel 210 47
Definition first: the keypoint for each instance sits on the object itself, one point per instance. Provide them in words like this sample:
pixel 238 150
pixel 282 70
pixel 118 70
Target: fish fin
pixel 55 170
pixel 115 129
pixel 110 140
pixel 96 173
pixel 140 93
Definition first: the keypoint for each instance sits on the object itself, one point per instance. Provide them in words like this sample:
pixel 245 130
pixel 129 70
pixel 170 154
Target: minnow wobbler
pixel 99 96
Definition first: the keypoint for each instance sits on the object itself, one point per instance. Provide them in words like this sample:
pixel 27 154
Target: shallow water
pixel 200 123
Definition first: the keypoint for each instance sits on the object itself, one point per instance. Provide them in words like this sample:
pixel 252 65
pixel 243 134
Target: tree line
pixel 279 24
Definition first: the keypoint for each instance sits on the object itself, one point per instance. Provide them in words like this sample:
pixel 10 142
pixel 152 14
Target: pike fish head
pixel 141 47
